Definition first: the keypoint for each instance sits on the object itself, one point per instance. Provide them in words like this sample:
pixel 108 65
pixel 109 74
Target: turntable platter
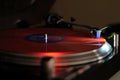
pixel 67 46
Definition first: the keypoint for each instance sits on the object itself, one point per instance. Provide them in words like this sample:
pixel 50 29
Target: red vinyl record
pixel 27 46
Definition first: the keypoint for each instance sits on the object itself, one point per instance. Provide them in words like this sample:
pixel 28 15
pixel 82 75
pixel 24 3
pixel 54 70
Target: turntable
pixel 74 51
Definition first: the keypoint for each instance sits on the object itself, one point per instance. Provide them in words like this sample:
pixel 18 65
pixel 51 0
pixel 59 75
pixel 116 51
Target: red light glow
pixel 50 54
